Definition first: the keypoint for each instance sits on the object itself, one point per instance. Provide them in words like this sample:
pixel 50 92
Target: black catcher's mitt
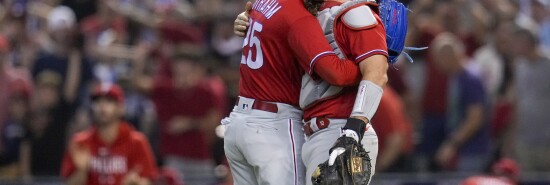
pixel 352 167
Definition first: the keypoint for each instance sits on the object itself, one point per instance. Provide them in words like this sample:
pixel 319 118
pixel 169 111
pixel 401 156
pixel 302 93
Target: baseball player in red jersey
pixel 111 152
pixel 264 136
pixel 355 31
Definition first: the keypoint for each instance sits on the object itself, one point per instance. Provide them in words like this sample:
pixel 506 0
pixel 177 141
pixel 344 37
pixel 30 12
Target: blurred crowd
pixel 477 96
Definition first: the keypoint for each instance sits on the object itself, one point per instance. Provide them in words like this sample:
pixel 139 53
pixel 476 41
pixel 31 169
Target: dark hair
pixel 531 37
pixel 313 5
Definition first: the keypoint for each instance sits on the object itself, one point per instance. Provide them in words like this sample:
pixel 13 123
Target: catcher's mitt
pixel 394 17
pixel 351 167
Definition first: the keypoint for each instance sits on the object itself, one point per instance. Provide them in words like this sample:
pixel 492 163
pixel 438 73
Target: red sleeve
pixel 67 166
pixel 315 54
pixel 143 158
pixel 363 43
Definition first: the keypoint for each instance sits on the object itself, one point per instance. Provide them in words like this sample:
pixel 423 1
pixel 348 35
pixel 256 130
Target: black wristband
pixel 356 125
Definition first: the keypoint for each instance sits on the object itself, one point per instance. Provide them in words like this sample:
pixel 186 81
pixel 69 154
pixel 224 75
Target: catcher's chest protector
pixel 354 14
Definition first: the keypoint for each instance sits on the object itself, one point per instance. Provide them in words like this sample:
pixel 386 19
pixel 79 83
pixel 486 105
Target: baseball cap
pixel 61 17
pixel 108 90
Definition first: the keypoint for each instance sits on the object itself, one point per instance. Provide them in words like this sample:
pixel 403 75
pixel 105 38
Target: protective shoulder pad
pixel 359 18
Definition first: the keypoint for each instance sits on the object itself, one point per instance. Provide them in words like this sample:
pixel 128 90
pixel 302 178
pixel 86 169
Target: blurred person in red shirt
pixel 394 132
pixel 111 152
pixel 189 105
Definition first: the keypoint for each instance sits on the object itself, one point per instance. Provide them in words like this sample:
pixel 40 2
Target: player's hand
pixel 133 178
pixel 353 126
pixel 178 125
pixel 353 164
pixel 445 155
pixel 241 23
pixel 338 150
pixel 81 156
pixel 141 51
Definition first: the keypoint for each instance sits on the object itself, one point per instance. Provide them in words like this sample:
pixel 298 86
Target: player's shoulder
pixel 359 15
pixel 295 10
pixel 83 136
pixel 138 137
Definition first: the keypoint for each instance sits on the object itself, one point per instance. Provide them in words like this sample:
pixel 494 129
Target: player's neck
pixel 108 133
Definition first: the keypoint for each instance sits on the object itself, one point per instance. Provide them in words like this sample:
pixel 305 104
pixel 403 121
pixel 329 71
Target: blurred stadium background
pixel 53 51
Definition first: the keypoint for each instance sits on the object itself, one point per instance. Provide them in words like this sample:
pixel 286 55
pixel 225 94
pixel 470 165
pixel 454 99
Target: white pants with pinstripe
pixel 264 148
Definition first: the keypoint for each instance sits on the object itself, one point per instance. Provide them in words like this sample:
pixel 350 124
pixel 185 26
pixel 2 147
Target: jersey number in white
pixel 252 40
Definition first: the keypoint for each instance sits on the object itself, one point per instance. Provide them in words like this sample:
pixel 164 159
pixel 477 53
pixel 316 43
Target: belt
pixel 315 124
pixel 263 105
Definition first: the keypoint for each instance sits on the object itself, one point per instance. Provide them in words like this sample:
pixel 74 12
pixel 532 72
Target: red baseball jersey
pixel 111 162
pixel 283 41
pixel 356 45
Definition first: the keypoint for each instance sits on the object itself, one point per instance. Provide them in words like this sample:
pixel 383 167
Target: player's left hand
pixel 445 155
pixel 179 124
pixel 241 23
pixel 339 148
pixel 348 163
pixel 133 178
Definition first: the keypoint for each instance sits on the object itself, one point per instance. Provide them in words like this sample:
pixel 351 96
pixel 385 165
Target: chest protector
pixel 356 15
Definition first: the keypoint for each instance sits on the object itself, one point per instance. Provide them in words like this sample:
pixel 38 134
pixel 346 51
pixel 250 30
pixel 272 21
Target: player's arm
pixel 316 56
pixel 75 165
pixel 142 82
pixel 369 94
pixel 360 27
pixel 143 168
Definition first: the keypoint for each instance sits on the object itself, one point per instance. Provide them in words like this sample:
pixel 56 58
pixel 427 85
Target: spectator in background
pixel 8 76
pixel 394 132
pixel 461 140
pixel 16 27
pixel 532 103
pixel 61 54
pixel 102 29
pixel 189 105
pixel 14 148
pixel 111 152
pixel 494 63
pixel 494 60
pixel 60 73
pixel 541 15
pixel 50 115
